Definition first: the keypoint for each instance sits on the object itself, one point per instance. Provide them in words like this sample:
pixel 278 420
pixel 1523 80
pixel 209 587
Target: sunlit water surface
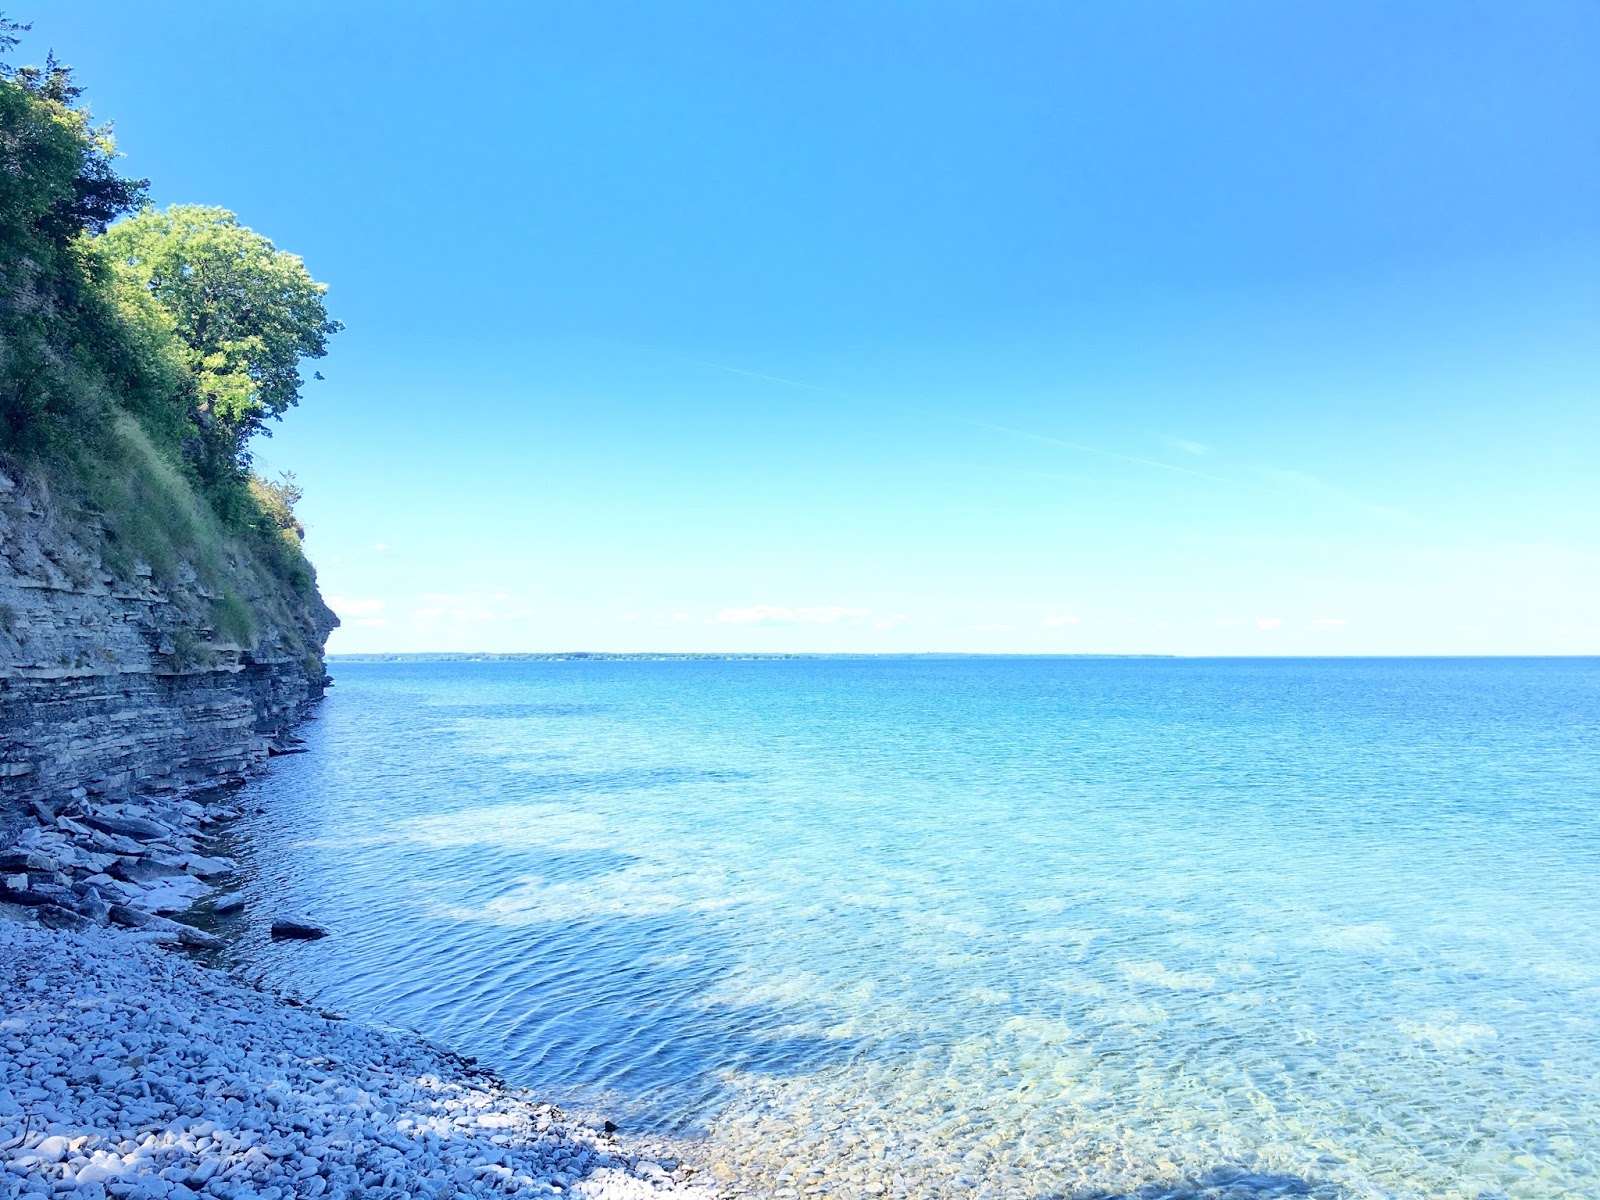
pixel 1016 928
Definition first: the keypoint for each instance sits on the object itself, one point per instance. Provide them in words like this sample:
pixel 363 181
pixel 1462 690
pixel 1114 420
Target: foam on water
pixel 988 927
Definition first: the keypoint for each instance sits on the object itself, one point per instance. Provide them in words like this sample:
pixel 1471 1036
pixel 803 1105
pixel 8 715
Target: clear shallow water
pixel 1014 928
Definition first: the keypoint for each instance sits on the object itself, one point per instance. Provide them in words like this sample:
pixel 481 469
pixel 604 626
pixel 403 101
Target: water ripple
pixel 997 928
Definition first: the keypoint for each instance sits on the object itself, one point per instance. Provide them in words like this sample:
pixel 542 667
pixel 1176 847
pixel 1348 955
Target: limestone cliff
pixel 118 682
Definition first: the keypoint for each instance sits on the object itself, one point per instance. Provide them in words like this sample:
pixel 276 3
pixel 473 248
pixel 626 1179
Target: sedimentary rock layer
pixel 112 684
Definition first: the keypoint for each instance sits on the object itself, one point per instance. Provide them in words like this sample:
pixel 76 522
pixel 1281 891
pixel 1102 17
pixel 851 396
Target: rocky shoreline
pixel 129 1070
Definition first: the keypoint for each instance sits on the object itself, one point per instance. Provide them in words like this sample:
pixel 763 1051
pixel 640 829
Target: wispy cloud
pixel 351 606
pixel 1269 622
pixel 1188 447
pixel 950 417
pixel 472 607
pixel 1058 621
pixel 1291 480
pixel 1082 448
pixel 776 614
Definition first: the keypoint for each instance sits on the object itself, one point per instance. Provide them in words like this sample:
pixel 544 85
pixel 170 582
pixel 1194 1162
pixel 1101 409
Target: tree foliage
pixel 245 312
pixel 61 331
pixel 191 321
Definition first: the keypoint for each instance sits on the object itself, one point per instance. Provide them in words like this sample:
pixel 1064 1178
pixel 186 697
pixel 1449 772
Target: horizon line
pixel 551 655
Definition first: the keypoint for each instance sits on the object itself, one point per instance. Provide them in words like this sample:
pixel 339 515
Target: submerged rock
pixel 286 927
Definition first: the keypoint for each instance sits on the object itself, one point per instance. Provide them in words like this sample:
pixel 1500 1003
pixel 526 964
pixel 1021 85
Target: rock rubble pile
pixel 82 864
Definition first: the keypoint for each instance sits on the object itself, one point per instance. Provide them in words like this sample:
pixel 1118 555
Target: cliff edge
pixel 118 682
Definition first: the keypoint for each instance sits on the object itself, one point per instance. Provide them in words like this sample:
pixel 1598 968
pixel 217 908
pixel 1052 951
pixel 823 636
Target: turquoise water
pixel 1012 928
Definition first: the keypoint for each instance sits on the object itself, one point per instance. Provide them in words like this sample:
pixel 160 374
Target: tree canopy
pixel 57 178
pixel 245 312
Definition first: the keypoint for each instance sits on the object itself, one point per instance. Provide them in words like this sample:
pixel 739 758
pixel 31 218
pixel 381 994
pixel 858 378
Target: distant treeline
pixel 140 349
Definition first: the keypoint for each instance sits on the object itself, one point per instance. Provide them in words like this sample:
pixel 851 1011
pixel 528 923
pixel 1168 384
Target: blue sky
pixel 1177 327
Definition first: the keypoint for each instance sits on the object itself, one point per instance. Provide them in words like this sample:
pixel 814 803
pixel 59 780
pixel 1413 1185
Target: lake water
pixel 981 927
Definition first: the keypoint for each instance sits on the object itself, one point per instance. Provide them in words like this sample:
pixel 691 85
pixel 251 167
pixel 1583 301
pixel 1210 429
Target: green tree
pixel 246 313
pixel 57 185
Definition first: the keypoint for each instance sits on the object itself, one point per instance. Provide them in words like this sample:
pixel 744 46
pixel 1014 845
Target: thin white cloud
pixel 1269 623
pixel 351 606
pixel 1188 447
pixel 926 414
pixel 1303 481
pixel 1058 621
pixel 472 607
pixel 380 547
pixel 1045 439
pixel 776 614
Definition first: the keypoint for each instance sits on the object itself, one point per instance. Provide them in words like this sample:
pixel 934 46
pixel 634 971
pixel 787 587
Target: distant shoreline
pixel 653 656
pixel 826 656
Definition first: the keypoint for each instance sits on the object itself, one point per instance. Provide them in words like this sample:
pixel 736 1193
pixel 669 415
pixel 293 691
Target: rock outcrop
pixel 113 683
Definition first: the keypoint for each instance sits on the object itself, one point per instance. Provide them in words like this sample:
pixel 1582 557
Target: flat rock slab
pixel 166 895
pixel 208 868
pixel 297 929
pixel 24 861
pixel 129 826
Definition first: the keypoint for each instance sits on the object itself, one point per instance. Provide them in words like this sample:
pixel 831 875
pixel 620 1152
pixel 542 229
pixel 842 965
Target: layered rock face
pixel 118 686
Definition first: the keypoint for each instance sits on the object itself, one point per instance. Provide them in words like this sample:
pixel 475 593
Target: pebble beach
pixel 127 1069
